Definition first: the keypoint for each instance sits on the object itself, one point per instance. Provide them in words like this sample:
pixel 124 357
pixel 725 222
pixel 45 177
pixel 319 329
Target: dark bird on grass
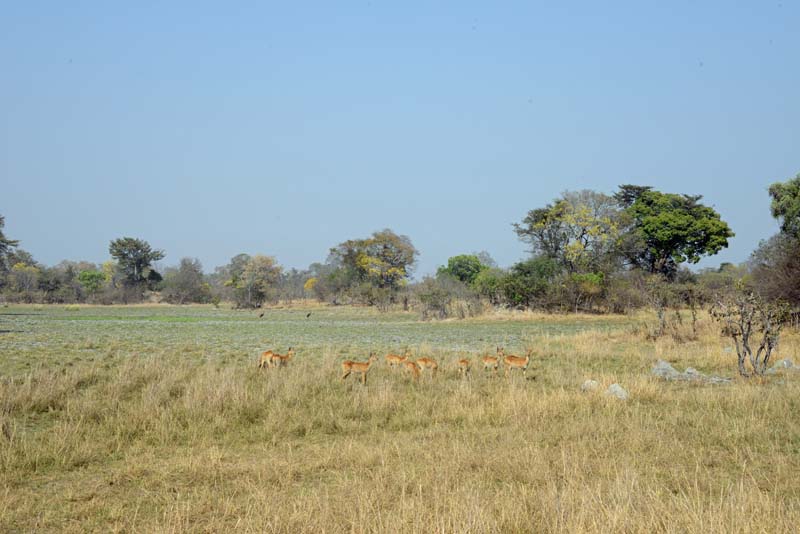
pixel 260 315
pixel 308 315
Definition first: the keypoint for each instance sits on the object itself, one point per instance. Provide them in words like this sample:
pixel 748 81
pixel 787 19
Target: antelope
pixel 412 368
pixel 515 362
pixel 464 367
pixel 281 360
pixel 394 360
pixel 492 362
pixel 348 366
pixel 427 363
pixel 266 359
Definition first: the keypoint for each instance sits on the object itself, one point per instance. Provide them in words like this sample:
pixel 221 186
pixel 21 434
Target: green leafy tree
pixel 465 268
pixel 92 281
pixel 528 282
pixel 489 284
pixel 135 258
pixel 786 205
pixel 672 229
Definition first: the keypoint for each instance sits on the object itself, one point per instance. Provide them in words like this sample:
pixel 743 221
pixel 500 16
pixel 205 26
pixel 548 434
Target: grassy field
pixel 156 419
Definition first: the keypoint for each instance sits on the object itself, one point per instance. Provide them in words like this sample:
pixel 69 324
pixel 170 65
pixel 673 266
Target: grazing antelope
pixel 412 368
pixel 515 362
pixel 464 367
pixel 348 366
pixel 427 363
pixel 394 360
pixel 492 362
pixel 281 360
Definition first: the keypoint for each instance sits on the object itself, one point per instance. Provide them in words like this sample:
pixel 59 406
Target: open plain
pixel 157 418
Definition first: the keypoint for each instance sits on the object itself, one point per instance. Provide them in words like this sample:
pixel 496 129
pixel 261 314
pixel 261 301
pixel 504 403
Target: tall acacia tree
pixel 670 229
pixel 135 259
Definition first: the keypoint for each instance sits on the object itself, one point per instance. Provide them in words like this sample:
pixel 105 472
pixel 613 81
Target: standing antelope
pixel 394 360
pixel 412 368
pixel 428 363
pixel 492 362
pixel 464 367
pixel 515 362
pixel 348 366
pixel 281 360
pixel 266 359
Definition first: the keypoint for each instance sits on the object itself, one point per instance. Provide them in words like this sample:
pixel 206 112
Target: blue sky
pixel 284 129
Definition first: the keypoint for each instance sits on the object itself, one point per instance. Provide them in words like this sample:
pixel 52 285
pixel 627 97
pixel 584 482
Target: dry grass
pixel 165 441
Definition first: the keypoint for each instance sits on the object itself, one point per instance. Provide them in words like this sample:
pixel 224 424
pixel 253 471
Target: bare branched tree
pixel 750 321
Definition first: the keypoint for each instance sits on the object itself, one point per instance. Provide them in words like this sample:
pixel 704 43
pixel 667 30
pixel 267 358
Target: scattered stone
pixel 617 391
pixel 783 364
pixel 717 380
pixel 590 385
pixel 664 370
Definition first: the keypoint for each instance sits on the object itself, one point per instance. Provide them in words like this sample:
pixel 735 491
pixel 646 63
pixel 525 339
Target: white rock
pixel 590 385
pixel 617 391
pixel 664 370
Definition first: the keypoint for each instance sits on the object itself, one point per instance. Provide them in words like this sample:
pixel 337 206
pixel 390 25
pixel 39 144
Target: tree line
pixel 589 252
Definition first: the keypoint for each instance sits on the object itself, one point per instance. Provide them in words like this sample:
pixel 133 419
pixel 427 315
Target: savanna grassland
pixel 157 419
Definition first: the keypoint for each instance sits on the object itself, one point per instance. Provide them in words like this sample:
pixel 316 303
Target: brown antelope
pixel 412 368
pixel 515 362
pixel 427 363
pixel 348 366
pixel 281 360
pixel 464 367
pixel 266 359
pixel 394 360
pixel 492 362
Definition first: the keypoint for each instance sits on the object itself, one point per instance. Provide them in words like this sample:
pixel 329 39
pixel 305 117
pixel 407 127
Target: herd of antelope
pixel 413 367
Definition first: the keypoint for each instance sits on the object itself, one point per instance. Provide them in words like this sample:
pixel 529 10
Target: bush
pixel 444 296
pixel 528 283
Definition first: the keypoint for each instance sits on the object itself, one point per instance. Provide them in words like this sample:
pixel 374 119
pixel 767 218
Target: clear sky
pixel 211 129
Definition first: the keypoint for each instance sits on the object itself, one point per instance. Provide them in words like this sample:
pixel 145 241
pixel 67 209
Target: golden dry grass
pixel 166 442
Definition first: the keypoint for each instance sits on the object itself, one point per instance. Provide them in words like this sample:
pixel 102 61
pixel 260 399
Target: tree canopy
pixel 465 267
pixel 579 230
pixel 786 205
pixel 384 260
pixel 5 247
pixel 134 259
pixel 674 229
